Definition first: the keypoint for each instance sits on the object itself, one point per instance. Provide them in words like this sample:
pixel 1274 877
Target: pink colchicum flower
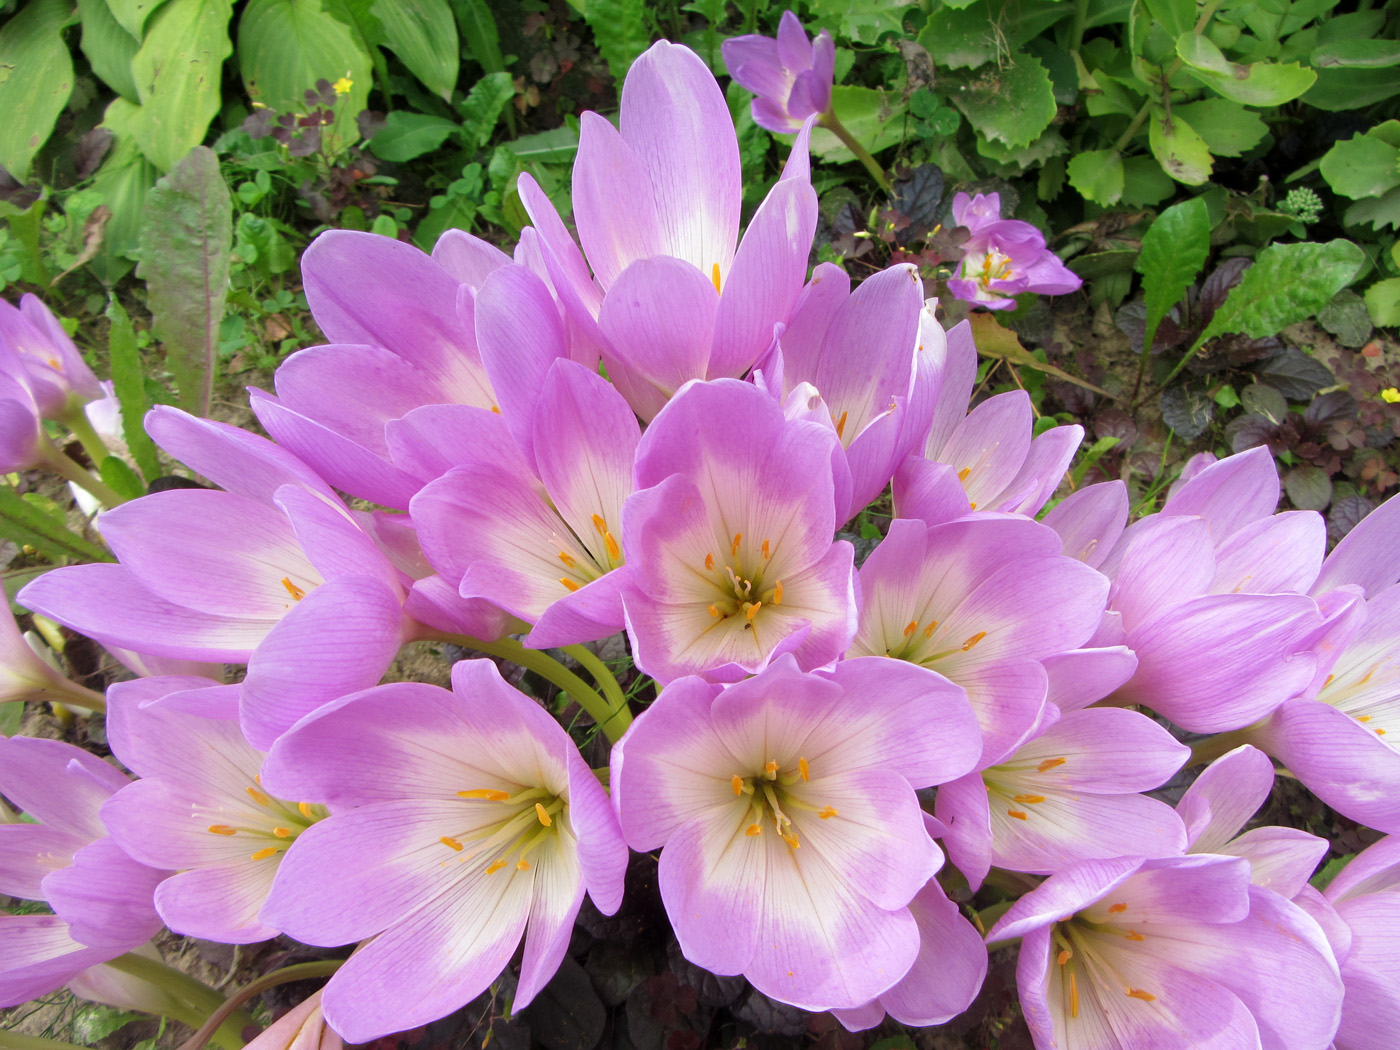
pixel 59 378
pixel 791 75
pixel 303 1027
pixel 1004 257
pixel 462 822
pixel 1366 896
pixel 792 842
pixel 1170 954
pixel 728 538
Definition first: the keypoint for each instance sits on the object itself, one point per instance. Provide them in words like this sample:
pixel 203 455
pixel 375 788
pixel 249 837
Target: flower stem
pixel 69 470
pixel 602 674
pixel 77 422
pixel 833 124
pixel 202 1000
pixel 229 1010
pixel 1208 750
pixel 18 1041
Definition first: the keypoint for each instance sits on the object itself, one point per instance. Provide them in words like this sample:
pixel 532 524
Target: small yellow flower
pixel 343 86
pixel 1390 394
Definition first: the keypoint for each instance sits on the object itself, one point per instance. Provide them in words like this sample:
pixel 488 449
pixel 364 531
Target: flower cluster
pixel 520 502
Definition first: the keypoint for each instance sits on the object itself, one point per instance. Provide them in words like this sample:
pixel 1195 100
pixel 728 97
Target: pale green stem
pixel 602 674
pixel 77 422
pixel 1081 16
pixel 612 720
pixel 1204 752
pixel 202 1000
pixel 833 124
pixel 226 1013
pixel 66 468
pixel 17 1041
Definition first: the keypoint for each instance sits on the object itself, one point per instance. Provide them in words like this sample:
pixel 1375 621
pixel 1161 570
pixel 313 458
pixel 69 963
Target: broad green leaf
pixel 875 118
pixel 25 522
pixel 123 181
pixel 1174 250
pixel 959 39
pixel 1362 166
pixel 129 385
pixel 1182 153
pixel 1050 144
pixel 863 21
pixel 1175 16
pixel 1383 302
pixel 1369 54
pixel 177 74
pixel 406 135
pixel 620 28
pixel 131 15
pixel 1012 104
pixel 1227 127
pixel 1260 84
pixel 285 46
pixel 1145 183
pixel 108 47
pixel 1376 212
pixel 478 26
pixel 1098 175
pixel 558 144
pixel 185 248
pixel 482 106
pixel 424 36
pixel 120 478
pixel 1352 87
pixel 36 78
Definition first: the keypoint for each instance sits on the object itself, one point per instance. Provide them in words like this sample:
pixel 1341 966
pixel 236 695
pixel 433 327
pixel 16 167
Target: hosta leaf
pixel 108 47
pixel 36 78
pixel 424 36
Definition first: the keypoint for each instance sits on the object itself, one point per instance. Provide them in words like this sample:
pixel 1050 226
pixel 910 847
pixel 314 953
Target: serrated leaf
pixel 129 385
pixel 1182 153
pixel 863 21
pixel 620 28
pixel 1012 103
pixel 1362 166
pixel 1098 175
pixel 1174 250
pixel 406 135
pixel 424 36
pixel 1286 284
pixel 1227 127
pixel 959 39
pixel 121 479
pixel 25 523
pixel 185 248
pixel 177 74
pixel 479 33
pixel 1383 302
pixel 1260 84
pixel 108 47
pixel 1308 487
pixel 285 46
pixel 36 78
pixel 1376 212
pixel 483 104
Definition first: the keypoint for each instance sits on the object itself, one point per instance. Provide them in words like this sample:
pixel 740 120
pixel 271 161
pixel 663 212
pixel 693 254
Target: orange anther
pixel 292 589
pixel 1018 814
pixel 222 829
pixel 451 843
pixel 569 585
pixel 263 854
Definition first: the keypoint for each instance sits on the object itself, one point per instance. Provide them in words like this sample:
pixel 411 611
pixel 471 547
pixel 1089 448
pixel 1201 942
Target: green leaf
pixel 1383 302
pixel 424 36
pixel 1098 175
pixel 1182 153
pixel 129 385
pixel 1145 184
pixel 1345 88
pixel 959 39
pixel 620 28
pixel 185 248
pixel 121 478
pixel 25 522
pixel 875 118
pixel 1175 16
pixel 482 106
pixel 863 21
pixel 1377 212
pixel 1227 127
pixel 1363 166
pixel 479 33
pixel 406 135
pixel 131 15
pixel 1012 104
pixel 558 144
pixel 285 46
pixel 123 182
pixel 177 74
pixel 1366 54
pixel 1174 250
pixel 36 78
pixel 108 47
pixel 1260 84
pixel 1329 871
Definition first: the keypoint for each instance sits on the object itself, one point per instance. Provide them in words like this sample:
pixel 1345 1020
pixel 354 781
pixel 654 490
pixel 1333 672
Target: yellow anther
pixel 737 783
pixel 1030 800
pixel 751 610
pixel 804 770
pixel 263 854
pixel 614 551
pixel 828 812
pixel 496 409
pixel 1073 995
pixel 222 829
pixel 973 640
pixel 714 611
pixel 710 560
pixel 911 627
pixel 962 474
pixel 1138 993
pixel 766 552
pixel 543 814
pixel 1064 957
pixel 1117 909
pixel 771 768
pixel 972 506
pixel 932 626
pixel 1329 681
pixel 841 425
pixel 600 524
pixel 714 276
pixel 259 797
pixel 1363 718
pixel 567 559
pixel 451 843
pixel 734 547
pixel 791 840
pixel 1133 935
pixel 495 866
pixel 753 829
pixel 282 833
pixel 305 808
pixel 1380 732
pixel 569 585
pixel 489 794
pixel 292 589
pixel 778 593
pixel 1049 764
pixel 1018 814
pixel 522 865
